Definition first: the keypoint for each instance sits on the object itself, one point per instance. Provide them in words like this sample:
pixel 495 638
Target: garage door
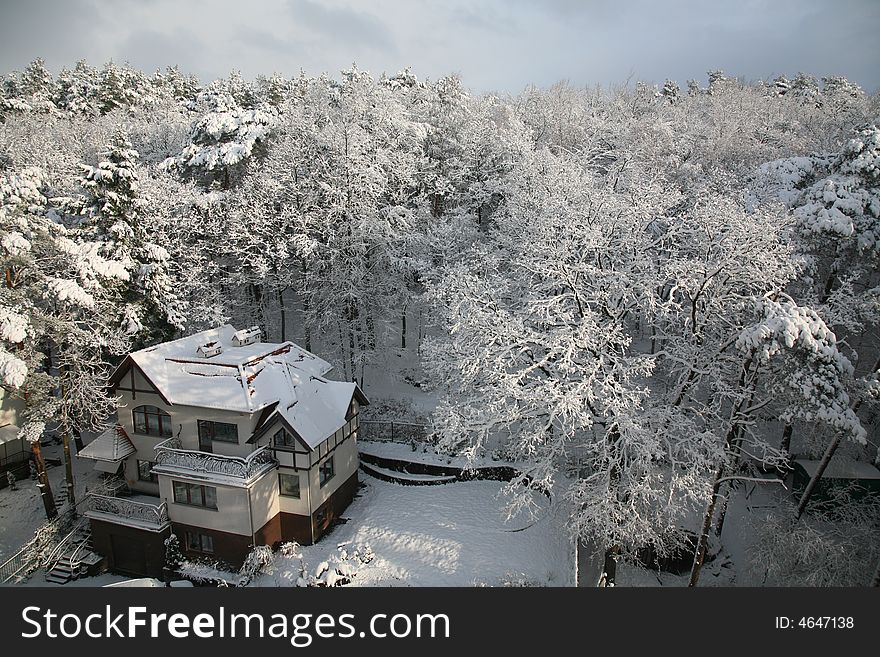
pixel 129 555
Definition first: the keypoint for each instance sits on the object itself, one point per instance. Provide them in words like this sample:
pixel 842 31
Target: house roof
pixel 8 433
pixel 271 378
pixel 240 378
pixel 112 446
pixel 318 407
pixel 841 468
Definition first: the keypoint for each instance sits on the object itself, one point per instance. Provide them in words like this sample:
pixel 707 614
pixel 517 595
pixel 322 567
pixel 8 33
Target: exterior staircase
pixel 60 497
pixel 72 558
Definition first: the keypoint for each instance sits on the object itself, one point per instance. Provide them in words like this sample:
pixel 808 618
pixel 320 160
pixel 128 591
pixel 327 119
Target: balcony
pixel 172 459
pixel 140 511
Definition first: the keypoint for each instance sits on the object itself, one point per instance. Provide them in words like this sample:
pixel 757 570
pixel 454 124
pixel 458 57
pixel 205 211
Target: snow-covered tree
pixel 539 359
pixel 115 218
pixel 231 126
pixel 56 306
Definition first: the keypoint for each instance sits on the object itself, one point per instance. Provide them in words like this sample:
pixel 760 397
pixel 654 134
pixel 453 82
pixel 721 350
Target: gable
pixel 130 378
pixel 272 424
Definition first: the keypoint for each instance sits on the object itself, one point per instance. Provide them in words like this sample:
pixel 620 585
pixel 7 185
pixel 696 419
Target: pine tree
pixel 116 220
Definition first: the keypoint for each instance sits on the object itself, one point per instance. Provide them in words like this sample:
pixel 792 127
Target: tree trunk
pixel 736 444
pixel 43 481
pixel 68 467
pixel 371 331
pixel 700 554
pixel 283 318
pixel 77 440
pixel 403 328
pixel 342 352
pixel 814 480
pixel 829 285
pixel 722 509
pixel 826 459
pixel 875 581
pixel 305 305
pixel 351 350
pixel 786 441
pixel 609 568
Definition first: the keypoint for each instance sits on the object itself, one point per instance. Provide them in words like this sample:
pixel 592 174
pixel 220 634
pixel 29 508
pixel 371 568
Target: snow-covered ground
pixel 732 565
pixel 448 535
pixel 21 510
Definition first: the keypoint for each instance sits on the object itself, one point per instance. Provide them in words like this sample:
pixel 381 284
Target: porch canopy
pixel 109 449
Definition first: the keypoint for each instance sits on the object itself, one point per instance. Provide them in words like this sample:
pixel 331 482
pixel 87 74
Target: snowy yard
pixel 21 510
pixel 449 535
pixel 455 534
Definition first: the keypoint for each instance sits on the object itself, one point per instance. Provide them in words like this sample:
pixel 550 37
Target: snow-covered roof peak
pixel 236 377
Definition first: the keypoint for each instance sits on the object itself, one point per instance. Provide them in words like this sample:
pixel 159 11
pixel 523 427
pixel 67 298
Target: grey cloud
pixel 148 50
pixel 350 26
pixel 256 38
pixel 60 33
pixel 497 45
pixel 484 18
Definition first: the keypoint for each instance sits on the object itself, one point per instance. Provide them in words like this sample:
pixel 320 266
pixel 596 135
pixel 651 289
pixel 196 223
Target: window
pixel 195 494
pixel 325 471
pixel 151 421
pixel 282 438
pixel 288 484
pixel 199 542
pixel 224 432
pixel 144 474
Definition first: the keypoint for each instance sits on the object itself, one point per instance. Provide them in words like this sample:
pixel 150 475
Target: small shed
pixel 14 454
pixel 860 477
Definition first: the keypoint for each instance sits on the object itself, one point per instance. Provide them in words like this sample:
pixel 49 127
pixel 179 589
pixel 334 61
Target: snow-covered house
pixel 228 442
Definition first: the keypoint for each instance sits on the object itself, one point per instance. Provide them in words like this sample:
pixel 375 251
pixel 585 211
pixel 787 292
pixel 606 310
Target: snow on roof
pixel 113 445
pixel 318 407
pixel 8 433
pixel 242 378
pixel 841 468
pixel 248 378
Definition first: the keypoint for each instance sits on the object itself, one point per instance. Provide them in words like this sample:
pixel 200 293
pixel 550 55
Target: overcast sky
pixel 495 45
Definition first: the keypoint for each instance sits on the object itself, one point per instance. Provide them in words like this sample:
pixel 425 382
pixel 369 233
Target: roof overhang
pixel 111 447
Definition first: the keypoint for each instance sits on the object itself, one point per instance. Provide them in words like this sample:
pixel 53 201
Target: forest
pixel 648 296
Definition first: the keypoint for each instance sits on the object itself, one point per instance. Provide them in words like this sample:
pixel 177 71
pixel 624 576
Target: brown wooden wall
pixel 130 550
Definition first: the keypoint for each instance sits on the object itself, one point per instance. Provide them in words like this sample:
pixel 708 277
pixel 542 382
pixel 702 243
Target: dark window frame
pixel 203 543
pixel 208 431
pixel 160 419
pixel 281 492
pixel 189 488
pixel 151 477
pixel 289 439
pixel 323 478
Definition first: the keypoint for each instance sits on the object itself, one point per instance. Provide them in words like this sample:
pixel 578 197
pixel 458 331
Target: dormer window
pixel 246 336
pixel 209 349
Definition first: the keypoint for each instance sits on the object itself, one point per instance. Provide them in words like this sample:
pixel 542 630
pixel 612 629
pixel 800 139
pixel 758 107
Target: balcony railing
pixel 170 454
pixel 151 514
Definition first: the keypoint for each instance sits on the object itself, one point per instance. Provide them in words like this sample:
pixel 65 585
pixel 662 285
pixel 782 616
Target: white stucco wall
pixel 291 504
pixel 264 499
pixel 345 458
pixel 232 514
